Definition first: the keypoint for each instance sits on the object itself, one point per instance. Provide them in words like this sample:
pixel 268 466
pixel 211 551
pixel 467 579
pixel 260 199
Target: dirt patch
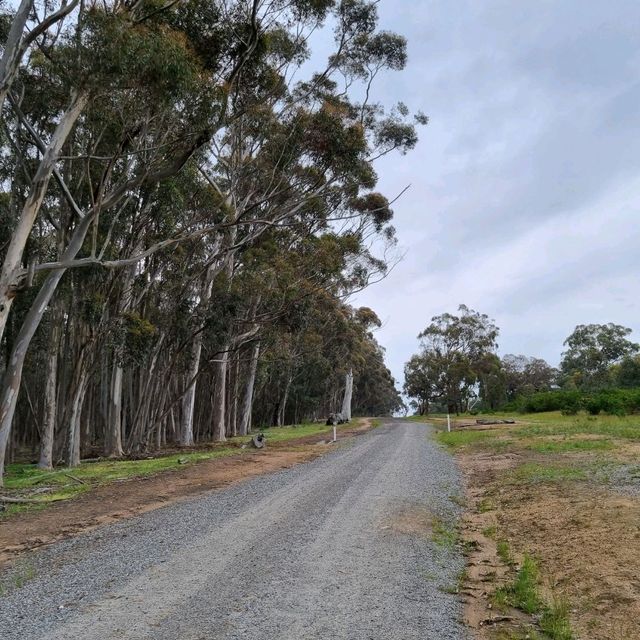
pixel 585 537
pixel 409 520
pixel 125 499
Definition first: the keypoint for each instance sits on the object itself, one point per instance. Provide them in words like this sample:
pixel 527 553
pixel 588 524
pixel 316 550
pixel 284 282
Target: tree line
pixel 185 207
pixel 458 369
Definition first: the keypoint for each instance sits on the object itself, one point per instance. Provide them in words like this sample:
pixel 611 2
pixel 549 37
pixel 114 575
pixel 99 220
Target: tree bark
pixel 75 423
pixel 348 393
pixel 113 432
pixel 51 392
pixel 247 404
pixel 189 398
pixel 219 398
pixel 282 408
pixel 13 257
pixel 12 50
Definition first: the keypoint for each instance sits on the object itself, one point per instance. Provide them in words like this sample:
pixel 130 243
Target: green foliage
pixel 627 373
pixel 525 376
pixel 617 402
pixel 591 350
pixel 457 353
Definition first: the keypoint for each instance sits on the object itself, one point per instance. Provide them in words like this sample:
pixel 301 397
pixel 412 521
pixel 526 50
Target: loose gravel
pixel 312 552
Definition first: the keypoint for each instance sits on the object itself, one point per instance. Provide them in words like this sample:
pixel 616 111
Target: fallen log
pixel 487 422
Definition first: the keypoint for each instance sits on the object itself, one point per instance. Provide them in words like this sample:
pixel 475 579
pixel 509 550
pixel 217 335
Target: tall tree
pixel 454 351
pixel 591 350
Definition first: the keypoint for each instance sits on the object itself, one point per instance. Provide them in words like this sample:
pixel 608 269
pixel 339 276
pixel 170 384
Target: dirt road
pixel 354 545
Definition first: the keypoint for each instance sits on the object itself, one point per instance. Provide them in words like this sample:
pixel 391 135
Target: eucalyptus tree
pixel 591 351
pixel 455 350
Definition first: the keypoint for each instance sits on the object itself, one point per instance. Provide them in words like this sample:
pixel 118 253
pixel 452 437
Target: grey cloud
pixel 535 127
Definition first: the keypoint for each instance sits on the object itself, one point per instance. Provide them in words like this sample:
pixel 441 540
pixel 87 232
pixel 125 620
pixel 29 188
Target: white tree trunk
pixel 189 399
pixel 247 404
pixel 50 395
pixel 11 55
pixel 219 398
pixel 113 435
pixel 13 257
pixel 73 442
pixel 348 392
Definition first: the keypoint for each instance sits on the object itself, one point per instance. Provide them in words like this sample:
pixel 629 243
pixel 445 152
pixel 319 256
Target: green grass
pixel 555 620
pixel 534 473
pixel 568 446
pixel 554 424
pixel 16 578
pixel 504 553
pixel 444 535
pixel 522 593
pixel 281 434
pixel 464 439
pixel 490 532
pixel 485 505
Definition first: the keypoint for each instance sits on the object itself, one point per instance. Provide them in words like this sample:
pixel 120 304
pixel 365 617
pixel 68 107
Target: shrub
pixel 616 402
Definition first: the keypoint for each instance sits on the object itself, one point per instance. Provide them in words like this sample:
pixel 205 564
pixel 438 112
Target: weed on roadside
pixel 522 593
pixel 504 552
pixel 490 532
pixel 443 534
pixel 485 505
pixel 555 620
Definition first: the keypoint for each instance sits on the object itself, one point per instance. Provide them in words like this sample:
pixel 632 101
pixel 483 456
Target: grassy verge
pixel 26 480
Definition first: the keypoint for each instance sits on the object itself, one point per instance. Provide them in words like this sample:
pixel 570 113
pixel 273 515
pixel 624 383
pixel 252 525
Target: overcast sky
pixel 525 187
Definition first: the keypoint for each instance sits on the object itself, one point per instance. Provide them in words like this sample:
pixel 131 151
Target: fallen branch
pixel 74 478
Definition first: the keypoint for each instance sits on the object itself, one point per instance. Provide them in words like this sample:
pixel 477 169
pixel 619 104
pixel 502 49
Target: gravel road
pixel 338 548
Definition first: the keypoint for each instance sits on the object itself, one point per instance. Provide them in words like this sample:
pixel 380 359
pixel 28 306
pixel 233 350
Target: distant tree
pixel 454 355
pixel 592 350
pixel 627 373
pixel 492 381
pixel 525 375
pixel 419 383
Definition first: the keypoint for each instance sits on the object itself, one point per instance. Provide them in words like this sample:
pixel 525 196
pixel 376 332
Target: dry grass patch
pixel 553 496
